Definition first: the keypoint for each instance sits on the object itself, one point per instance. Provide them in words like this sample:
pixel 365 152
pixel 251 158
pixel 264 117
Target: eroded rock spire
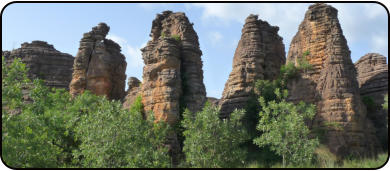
pixel 99 66
pixel 259 55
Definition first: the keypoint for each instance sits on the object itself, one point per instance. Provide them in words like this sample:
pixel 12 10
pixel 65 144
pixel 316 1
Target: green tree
pixel 283 129
pixel 113 137
pixel 211 142
pixel 43 127
pixel 27 138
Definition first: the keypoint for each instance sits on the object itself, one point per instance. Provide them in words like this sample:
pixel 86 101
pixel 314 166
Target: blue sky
pixel 365 25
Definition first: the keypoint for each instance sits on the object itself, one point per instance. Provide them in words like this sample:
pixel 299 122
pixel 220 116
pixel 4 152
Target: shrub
pixel 176 37
pixel 284 129
pixel 369 102
pixel 211 142
pixel 28 136
pixel 112 137
pixel 53 130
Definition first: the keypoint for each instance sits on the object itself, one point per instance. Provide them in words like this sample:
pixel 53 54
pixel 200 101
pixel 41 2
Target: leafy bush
pixel 369 102
pixel 284 129
pixel 53 130
pixel 28 138
pixel 176 37
pixel 112 137
pixel 211 142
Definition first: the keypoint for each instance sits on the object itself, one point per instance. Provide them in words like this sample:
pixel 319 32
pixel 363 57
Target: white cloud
pixel 286 16
pixel 361 22
pixel 132 53
pixel 379 44
pixel 133 56
pixel 215 37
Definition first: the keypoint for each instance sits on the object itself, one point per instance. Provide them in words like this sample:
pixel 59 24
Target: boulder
pixel 132 93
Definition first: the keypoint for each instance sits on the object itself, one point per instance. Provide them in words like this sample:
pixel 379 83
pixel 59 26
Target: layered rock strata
pixel 132 93
pixel 99 65
pixel 259 55
pixel 373 78
pixel 43 61
pixel 173 75
pixel 331 84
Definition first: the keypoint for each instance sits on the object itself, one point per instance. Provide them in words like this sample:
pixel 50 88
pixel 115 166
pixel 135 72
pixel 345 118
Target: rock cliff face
pixel 99 66
pixel 331 84
pixel 44 62
pixel 373 77
pixel 259 55
pixel 133 91
pixel 173 75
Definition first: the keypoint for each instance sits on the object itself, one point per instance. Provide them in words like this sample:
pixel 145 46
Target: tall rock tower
pixel 173 75
pixel 99 66
pixel 259 55
pixel 44 62
pixel 373 78
pixel 331 84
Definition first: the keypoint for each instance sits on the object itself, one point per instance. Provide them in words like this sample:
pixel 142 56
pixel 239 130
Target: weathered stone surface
pixel 373 78
pixel 332 84
pixel 132 93
pixel 259 55
pixel 213 101
pixel 99 66
pixel 44 62
pixel 173 75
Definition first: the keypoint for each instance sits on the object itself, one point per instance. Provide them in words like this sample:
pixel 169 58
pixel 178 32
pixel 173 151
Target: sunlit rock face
pixel 259 55
pixel 373 78
pixel 331 84
pixel 99 65
pixel 173 75
pixel 43 61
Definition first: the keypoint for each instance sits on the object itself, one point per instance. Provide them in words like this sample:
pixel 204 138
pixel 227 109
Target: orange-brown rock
pixel 161 88
pixel 331 84
pixel 373 77
pixel 259 55
pixel 99 66
pixel 132 93
pixel 173 75
pixel 44 62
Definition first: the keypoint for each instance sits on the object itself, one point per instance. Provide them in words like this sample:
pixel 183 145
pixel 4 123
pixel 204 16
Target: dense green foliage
pixel 284 129
pixel 385 105
pixel 211 142
pixel 112 137
pixel 50 129
pixel 28 138
pixel 369 102
pixel 47 128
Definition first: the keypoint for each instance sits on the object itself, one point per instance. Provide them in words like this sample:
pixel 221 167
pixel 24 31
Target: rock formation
pixel 331 84
pixel 132 93
pixel 99 66
pixel 213 101
pixel 259 55
pixel 44 62
pixel 173 75
pixel 373 81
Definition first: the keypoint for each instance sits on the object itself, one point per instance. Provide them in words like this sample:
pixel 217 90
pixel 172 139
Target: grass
pixel 366 163
pixel 331 163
